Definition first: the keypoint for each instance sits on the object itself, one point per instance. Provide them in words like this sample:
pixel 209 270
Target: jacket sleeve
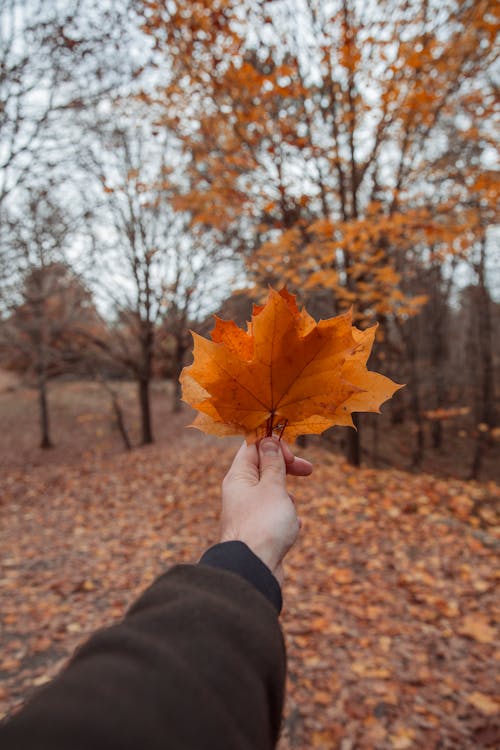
pixel 198 663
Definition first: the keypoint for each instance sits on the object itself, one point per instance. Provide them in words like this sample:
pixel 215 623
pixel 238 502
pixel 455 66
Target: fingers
pixel 299 467
pixel 245 464
pixel 248 460
pixel 271 460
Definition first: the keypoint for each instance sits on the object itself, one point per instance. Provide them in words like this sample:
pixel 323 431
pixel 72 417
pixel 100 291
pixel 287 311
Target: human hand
pixel 256 507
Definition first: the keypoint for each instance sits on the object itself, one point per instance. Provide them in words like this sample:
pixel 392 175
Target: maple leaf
pixel 286 373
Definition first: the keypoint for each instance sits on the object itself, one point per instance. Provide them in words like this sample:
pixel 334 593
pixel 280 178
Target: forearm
pixel 198 662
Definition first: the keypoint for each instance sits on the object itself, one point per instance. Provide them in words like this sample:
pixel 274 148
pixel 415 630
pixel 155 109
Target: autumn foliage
pixel 346 150
pixel 285 373
pixel 337 144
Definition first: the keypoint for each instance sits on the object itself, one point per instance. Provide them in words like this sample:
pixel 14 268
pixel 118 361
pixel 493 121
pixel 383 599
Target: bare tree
pixel 49 303
pixel 154 274
pixel 53 58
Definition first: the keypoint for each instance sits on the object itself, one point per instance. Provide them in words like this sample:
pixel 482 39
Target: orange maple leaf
pixel 286 373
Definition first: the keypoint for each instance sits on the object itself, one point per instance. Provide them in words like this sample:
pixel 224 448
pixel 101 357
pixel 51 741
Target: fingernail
pixel 269 446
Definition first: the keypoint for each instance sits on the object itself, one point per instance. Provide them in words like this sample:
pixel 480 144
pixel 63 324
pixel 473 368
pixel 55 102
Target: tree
pixel 53 59
pixel 485 410
pixel 315 130
pixel 42 335
pixel 154 274
pixel 56 60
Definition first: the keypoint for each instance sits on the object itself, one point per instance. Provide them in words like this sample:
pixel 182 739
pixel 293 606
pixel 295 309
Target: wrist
pixel 263 551
pixel 236 556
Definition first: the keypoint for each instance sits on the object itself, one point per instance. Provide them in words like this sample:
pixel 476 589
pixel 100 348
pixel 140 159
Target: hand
pixel 256 507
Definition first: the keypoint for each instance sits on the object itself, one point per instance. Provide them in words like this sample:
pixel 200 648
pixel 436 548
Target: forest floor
pixel 390 598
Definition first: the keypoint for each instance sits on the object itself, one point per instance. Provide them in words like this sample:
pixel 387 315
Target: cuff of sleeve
pixel 238 557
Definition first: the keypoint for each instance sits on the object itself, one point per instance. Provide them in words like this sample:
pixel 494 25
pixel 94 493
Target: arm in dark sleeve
pixel 239 558
pixel 198 663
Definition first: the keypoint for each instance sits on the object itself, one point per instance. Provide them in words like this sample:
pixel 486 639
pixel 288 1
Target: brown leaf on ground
pixel 485 703
pixel 477 626
pixel 378 548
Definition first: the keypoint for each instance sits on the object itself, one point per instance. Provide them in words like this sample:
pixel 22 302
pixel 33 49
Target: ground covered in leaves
pixel 390 604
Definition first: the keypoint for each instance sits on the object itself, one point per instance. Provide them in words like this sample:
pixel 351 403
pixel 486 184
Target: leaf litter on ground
pixel 390 602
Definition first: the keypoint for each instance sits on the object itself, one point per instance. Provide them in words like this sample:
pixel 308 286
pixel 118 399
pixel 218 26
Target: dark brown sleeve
pixel 198 663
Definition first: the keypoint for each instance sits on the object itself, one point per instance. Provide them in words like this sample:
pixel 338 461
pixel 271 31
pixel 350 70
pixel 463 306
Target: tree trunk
pixel 180 351
pixel 45 441
pixel 144 379
pixel 418 453
pixel 353 443
pixel 439 308
pixel 176 395
pixel 479 451
pixel 409 336
pixel 485 337
pixel 486 412
pixel 120 422
pixel 437 434
pixel 397 411
pixel 118 412
pixel 145 404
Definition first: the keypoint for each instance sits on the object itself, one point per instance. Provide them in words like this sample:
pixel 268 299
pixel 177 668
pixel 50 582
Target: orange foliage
pixel 325 179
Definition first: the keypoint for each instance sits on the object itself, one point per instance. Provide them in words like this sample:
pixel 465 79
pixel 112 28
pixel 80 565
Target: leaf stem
pixel 269 425
pixel 282 428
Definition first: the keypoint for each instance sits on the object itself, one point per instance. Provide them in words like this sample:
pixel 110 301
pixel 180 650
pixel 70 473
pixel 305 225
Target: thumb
pixel 271 462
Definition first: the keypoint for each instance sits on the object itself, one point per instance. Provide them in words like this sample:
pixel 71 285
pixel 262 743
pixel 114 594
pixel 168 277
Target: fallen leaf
pixel 322 698
pixel 366 669
pixel 484 703
pixel 9 663
pixel 476 626
pixel 341 575
pixel 41 680
pixel 403 738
